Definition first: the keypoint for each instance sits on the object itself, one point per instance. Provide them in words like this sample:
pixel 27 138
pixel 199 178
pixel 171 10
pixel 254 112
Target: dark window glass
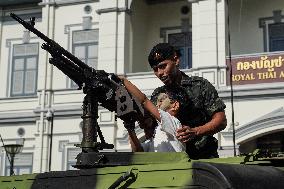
pixel 183 42
pixel 276 37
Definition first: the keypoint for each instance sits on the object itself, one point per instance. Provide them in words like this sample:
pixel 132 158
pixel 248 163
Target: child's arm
pixel 134 142
pixel 141 97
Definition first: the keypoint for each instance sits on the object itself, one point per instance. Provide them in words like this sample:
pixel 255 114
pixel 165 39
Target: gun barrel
pixel 31 28
pixel 50 42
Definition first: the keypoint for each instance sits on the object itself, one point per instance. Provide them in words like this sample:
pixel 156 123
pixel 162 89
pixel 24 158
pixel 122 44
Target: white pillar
pixel 208 33
pixel 41 154
pixel 113 36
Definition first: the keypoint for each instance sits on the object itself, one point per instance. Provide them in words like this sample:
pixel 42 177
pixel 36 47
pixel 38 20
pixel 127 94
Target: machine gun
pixel 99 86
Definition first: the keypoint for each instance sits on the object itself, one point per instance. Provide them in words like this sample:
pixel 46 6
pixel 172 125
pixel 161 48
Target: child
pixel 162 138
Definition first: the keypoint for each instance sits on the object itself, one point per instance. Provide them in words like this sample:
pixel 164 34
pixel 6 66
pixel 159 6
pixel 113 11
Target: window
pixel 71 155
pixel 182 41
pixel 24 70
pixel 23 164
pixel 85 47
pixel 276 37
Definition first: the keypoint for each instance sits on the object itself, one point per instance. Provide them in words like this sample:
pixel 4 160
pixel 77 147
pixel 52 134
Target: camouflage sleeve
pixel 211 100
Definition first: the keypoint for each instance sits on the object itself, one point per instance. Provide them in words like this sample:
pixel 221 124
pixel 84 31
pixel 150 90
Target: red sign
pixel 257 69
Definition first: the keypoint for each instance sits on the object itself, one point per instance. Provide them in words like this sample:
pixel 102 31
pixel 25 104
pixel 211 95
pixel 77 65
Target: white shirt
pixel 165 136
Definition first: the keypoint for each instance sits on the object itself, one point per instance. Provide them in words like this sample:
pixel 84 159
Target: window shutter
pixel 93 62
pixel 80 52
pixel 72 154
pixel 93 51
pixel 24 69
pixel 24 159
pixel 25 49
pixel 23 164
pixel 85 47
pixel 31 63
pixel 30 82
pixel 87 36
pixel 18 78
pixel 19 50
pixel 31 49
pixel 19 64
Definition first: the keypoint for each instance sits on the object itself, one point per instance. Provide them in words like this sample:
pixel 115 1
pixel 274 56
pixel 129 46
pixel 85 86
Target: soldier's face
pixel 166 71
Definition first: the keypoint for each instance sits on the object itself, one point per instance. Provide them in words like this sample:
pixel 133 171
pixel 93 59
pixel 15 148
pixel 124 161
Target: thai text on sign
pixel 257 69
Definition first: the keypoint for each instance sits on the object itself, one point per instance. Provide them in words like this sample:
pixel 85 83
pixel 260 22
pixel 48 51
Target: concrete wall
pixel 247 36
pixel 147 21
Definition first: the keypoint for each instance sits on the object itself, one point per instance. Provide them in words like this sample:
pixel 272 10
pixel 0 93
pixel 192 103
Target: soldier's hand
pixel 185 133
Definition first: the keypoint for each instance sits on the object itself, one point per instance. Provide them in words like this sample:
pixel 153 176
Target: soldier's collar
pixel 184 79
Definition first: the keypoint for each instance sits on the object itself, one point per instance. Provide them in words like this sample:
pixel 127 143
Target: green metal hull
pixel 159 170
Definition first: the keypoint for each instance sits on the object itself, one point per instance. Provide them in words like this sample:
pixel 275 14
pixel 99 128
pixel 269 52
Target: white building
pixel 116 36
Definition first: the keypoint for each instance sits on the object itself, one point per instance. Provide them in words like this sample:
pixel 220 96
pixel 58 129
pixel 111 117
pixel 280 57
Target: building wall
pixel 245 17
pixel 139 27
pixel 149 23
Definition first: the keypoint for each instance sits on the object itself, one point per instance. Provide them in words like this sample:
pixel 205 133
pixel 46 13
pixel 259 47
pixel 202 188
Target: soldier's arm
pixel 214 108
pixel 215 125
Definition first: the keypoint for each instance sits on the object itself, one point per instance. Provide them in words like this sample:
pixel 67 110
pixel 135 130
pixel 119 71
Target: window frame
pixel 264 23
pixel 73 85
pixel 72 162
pixel 188 56
pixel 18 168
pixel 25 70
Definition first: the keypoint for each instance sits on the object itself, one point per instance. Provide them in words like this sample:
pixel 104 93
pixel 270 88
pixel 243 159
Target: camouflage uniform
pixel 203 103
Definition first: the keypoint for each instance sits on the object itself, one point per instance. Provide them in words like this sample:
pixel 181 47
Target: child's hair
pixel 166 98
pixel 164 101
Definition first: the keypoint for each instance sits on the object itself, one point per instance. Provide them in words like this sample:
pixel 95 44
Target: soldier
pixel 204 115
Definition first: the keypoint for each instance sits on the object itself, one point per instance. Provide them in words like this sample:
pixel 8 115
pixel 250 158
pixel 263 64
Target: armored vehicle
pixel 161 170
